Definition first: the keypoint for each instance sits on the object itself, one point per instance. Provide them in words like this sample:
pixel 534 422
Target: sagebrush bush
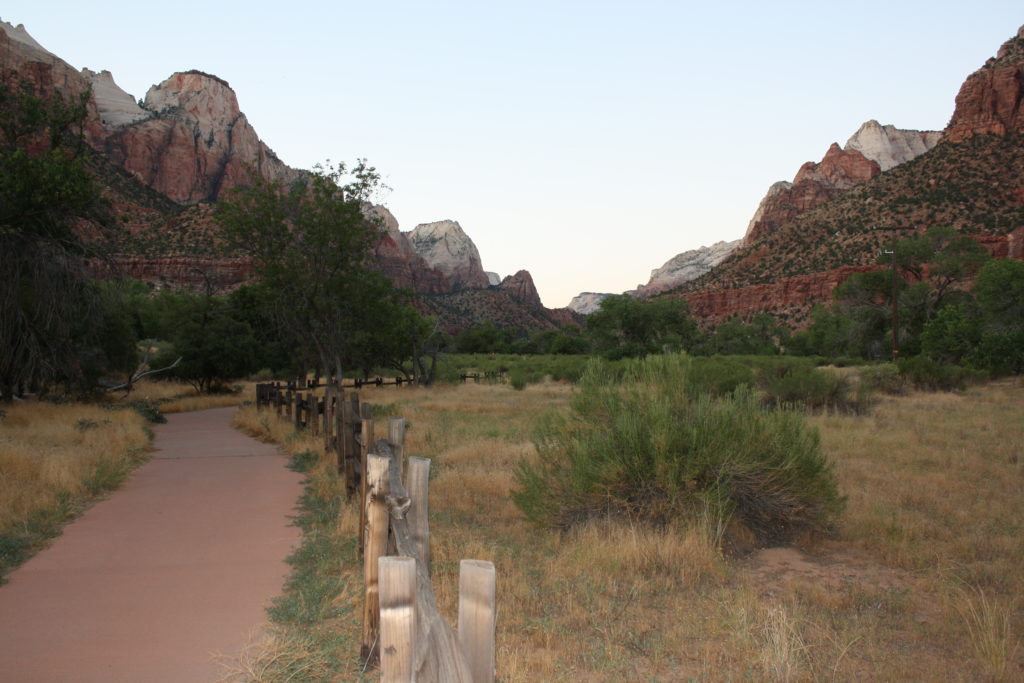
pixel 805 386
pixel 641 446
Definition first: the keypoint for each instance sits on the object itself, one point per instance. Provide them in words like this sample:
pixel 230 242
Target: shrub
pixel 718 375
pixel 883 377
pixel 799 384
pixel 929 375
pixel 646 448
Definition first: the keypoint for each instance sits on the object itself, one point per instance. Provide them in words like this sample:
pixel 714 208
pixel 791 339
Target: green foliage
pixel 627 327
pixel 213 345
pixel 800 384
pixel 639 445
pixel 882 377
pixel 310 243
pixel 930 375
pixel 56 327
pixel 951 335
pixel 763 336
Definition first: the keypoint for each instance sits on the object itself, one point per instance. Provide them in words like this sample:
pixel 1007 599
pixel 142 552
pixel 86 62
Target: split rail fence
pixel 402 629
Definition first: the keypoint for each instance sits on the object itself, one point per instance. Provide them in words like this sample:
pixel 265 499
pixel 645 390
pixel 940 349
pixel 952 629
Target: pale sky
pixel 587 142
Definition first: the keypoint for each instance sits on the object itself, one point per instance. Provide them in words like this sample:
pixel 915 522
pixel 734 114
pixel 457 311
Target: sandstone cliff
pixel 586 303
pixel 684 267
pixel 889 146
pixel 444 245
pixel 991 100
pixel 834 218
pixel 521 288
pixel 196 144
pixel 814 184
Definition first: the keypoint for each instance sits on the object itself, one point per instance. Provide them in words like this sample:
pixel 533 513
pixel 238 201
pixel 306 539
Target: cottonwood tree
pixel 56 325
pixel 310 243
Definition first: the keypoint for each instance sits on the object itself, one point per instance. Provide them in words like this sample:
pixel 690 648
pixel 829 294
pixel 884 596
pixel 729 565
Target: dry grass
pixel 180 397
pixel 921 582
pixel 53 459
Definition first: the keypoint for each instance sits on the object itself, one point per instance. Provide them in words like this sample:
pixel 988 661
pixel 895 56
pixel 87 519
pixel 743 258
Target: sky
pixel 586 142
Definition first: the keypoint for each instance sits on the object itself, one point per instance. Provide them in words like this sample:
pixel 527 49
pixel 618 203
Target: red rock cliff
pixel 991 100
pixel 814 184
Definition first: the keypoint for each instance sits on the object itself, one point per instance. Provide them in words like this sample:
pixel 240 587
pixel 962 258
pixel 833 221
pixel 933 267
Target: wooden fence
pixel 402 629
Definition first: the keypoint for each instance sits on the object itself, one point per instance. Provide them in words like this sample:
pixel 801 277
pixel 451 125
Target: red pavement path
pixel 174 568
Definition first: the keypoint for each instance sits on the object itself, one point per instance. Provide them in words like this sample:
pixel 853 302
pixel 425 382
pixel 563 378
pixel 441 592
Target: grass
pixel 54 459
pixel 921 582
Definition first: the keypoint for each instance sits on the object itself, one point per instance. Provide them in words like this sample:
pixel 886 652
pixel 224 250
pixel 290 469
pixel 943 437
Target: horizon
pixel 587 144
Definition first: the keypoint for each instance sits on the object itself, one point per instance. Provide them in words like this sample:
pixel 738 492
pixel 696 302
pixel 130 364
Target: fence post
pixel 376 533
pixel 396 439
pixel 476 618
pixel 364 452
pixel 397 618
pixel 418 487
pixel 313 417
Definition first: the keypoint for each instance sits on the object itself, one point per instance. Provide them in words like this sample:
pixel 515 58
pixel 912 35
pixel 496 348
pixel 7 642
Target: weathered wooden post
pixel 376 535
pixel 313 417
pixel 418 487
pixel 396 439
pixel 298 410
pixel 397 618
pixel 278 399
pixel 366 443
pixel 477 617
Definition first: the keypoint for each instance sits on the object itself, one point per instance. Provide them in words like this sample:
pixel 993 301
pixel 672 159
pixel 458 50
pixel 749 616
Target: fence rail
pixel 402 628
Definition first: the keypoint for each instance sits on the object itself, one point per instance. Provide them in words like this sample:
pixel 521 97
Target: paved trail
pixel 174 568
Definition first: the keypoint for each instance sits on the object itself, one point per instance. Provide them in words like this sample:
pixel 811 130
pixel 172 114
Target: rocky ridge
pixel 991 100
pixel 871 150
pixel 445 246
pixel 586 303
pixel 164 163
pixel 972 180
pixel 686 266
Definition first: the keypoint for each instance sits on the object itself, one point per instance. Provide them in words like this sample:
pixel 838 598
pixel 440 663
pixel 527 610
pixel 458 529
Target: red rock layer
pixel 814 185
pixel 798 292
pixel 521 288
pixel 991 100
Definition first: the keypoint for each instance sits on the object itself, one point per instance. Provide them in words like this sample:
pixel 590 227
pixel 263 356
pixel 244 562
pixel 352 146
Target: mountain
pixel 686 266
pixel 586 303
pixel 837 215
pixel 166 160
pixel 445 246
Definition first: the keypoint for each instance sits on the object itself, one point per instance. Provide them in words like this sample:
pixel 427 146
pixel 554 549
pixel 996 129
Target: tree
pixel 310 243
pixel 214 345
pixel 999 291
pixel 629 327
pixel 53 319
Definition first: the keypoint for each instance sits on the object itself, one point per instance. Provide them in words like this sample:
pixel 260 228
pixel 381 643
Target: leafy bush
pixel 929 375
pixel 883 377
pixel 642 446
pixel 799 384
pixel 718 375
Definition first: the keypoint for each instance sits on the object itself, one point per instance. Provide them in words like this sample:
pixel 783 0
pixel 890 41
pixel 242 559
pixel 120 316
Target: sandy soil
pixel 173 570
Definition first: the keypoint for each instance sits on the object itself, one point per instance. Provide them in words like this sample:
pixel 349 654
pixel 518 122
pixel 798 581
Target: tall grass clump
pixel 641 447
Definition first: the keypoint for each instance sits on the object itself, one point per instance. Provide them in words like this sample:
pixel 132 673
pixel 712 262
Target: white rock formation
pixel 686 266
pixel 116 107
pixel 20 35
pixel 587 302
pixel 445 246
pixel 890 146
pixel 493 279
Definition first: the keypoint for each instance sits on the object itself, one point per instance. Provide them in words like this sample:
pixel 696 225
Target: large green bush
pixel 637 444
